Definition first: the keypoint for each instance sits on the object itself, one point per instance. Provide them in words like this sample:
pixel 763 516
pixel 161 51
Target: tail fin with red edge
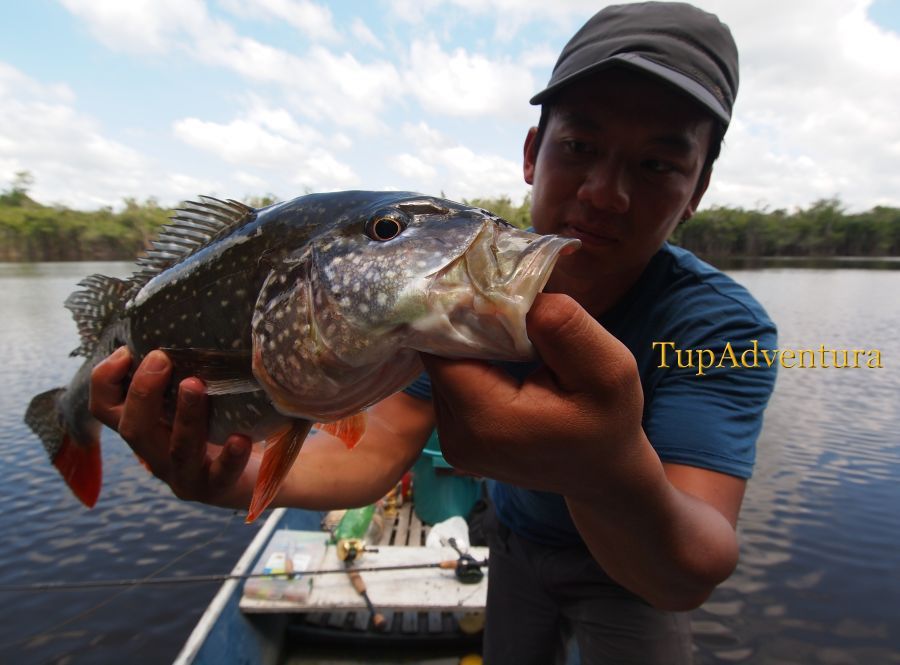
pixel 76 454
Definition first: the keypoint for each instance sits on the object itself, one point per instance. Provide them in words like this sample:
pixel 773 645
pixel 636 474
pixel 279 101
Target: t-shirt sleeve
pixel 420 388
pixel 713 420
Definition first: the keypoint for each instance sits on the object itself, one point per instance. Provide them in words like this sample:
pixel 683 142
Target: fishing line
pixel 195 579
pixel 130 584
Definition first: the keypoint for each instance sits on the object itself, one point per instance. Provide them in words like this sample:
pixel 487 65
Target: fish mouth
pixel 478 303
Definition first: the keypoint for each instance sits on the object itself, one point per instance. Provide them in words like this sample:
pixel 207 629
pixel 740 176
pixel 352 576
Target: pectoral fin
pixel 223 372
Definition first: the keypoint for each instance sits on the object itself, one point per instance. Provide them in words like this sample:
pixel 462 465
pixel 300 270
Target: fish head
pixel 342 320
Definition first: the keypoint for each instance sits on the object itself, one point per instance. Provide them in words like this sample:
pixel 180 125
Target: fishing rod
pixel 451 564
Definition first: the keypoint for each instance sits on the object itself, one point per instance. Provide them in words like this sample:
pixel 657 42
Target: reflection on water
pixel 136 529
pixel 820 530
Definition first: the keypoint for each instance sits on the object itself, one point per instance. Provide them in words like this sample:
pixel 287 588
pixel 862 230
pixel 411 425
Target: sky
pixel 101 100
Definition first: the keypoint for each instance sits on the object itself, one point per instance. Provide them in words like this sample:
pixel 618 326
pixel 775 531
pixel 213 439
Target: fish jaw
pixel 477 305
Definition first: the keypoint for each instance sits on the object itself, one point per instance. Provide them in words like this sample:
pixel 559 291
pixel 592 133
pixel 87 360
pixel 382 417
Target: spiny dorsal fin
pixel 95 308
pixel 194 226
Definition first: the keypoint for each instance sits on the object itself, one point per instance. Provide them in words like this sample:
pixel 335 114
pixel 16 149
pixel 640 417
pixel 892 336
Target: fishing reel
pixel 468 568
pixel 350 549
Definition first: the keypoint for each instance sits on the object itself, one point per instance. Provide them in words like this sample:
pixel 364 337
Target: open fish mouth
pixel 478 303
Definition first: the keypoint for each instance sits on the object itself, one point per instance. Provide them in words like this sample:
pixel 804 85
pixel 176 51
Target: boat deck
pixel 430 614
pixel 424 604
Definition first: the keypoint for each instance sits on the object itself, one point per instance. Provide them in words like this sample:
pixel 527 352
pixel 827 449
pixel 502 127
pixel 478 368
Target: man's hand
pixel 177 453
pixel 574 428
pixel 577 417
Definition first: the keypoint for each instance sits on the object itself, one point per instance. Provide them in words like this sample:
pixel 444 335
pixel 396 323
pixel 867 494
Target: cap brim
pixel 677 79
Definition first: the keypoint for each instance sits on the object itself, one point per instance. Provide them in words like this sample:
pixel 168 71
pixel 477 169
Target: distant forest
pixel 30 231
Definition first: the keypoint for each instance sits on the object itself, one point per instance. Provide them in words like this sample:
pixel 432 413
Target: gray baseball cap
pixel 683 46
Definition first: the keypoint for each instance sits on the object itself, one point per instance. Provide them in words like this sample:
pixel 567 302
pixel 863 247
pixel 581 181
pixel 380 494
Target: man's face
pixel 618 167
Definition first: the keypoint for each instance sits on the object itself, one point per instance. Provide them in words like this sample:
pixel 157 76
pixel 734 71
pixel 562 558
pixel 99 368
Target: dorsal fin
pixel 95 308
pixel 194 226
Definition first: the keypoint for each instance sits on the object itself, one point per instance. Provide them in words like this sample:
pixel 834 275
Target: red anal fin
pixel 349 429
pixel 81 467
pixel 282 448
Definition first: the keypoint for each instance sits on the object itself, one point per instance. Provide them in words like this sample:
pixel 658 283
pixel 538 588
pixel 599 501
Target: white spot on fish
pixel 345 302
pixel 382 299
pixel 224 304
pixel 364 308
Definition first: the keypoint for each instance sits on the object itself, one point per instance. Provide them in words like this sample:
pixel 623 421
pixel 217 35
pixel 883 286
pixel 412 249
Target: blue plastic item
pixel 438 494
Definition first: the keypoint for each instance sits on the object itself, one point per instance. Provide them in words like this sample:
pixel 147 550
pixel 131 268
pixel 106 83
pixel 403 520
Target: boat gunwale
pixel 213 611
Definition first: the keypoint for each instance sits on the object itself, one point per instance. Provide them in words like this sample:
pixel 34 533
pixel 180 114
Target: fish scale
pixel 302 312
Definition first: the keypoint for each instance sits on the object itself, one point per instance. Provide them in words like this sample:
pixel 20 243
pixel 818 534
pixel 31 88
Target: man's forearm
pixel 663 544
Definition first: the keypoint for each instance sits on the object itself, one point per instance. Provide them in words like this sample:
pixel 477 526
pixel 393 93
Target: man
pixel 618 477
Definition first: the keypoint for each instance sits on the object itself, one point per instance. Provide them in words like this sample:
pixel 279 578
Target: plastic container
pixel 438 494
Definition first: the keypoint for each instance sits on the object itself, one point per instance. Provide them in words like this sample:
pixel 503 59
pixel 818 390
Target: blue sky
pixel 105 99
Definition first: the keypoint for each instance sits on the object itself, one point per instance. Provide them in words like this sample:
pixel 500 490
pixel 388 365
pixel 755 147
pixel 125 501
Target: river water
pixel 818 580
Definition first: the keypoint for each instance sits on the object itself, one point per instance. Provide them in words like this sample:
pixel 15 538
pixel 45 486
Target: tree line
pixel 31 231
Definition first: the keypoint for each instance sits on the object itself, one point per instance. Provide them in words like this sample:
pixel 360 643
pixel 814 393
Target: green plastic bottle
pixel 354 524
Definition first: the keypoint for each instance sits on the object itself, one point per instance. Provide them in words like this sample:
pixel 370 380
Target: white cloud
pixel 72 161
pixel 458 170
pixel 182 186
pixel 270 140
pixel 312 20
pixel 460 83
pixel 345 90
pixel 322 84
pixel 142 26
pixel 363 34
pixel 815 113
pixel 410 166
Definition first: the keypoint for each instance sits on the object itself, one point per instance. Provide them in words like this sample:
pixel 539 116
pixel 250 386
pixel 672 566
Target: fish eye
pixel 384 227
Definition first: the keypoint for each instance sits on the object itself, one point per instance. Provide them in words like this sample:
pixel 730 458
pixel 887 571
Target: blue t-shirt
pixel 709 421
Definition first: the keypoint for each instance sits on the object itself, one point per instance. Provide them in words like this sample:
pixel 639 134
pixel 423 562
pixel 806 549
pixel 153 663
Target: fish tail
pixel 281 451
pixel 75 452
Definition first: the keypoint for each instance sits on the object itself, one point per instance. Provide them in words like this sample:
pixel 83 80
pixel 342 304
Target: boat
pixel 430 615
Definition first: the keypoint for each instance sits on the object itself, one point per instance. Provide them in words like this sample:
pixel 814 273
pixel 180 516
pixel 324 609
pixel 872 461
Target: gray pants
pixel 541 599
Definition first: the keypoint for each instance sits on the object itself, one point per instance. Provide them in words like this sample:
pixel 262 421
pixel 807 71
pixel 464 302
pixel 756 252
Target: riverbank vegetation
pixel 31 231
